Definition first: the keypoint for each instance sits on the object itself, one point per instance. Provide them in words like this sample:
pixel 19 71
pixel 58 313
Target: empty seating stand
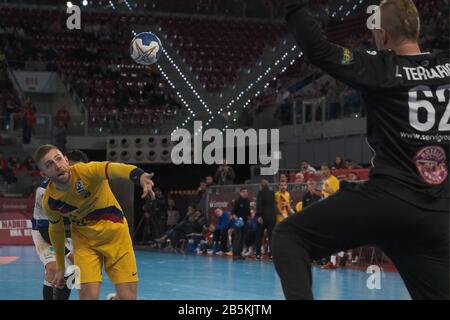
pixel 217 50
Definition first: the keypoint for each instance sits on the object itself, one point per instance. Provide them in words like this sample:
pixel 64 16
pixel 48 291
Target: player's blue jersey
pixel 39 219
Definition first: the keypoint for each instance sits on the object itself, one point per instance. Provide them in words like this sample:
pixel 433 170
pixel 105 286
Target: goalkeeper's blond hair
pixel 400 19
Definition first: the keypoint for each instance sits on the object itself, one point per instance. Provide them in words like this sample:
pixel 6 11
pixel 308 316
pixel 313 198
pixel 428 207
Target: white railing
pixel 43 127
pixel 14 82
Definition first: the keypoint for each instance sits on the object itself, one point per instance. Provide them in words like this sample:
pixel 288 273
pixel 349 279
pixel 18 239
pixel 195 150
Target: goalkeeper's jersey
pixel 407 98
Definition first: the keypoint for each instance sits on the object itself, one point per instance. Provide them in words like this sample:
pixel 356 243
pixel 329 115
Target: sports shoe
pixel 111 296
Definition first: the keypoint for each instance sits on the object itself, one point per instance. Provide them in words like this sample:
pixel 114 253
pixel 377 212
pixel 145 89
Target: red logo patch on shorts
pixel 431 162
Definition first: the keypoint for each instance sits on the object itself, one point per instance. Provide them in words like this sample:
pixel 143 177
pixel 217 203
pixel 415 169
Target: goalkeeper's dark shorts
pixel 416 240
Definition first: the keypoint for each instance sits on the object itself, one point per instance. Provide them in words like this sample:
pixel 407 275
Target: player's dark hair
pixel 76 155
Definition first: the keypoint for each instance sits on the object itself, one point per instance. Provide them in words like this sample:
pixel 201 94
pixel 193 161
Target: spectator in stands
pixel 28 121
pixel 306 168
pixel 6 172
pixel 63 115
pixel 265 213
pixel 173 215
pixel 352 176
pixel 250 233
pixel 200 223
pixel 14 162
pixel 312 195
pixel 201 190
pixel 11 108
pixel 224 174
pixel 192 224
pixel 220 236
pixel 190 210
pixel 283 202
pixel 151 223
pixel 60 136
pixel 299 178
pixel 348 181
pixel 160 210
pixel 350 164
pixel 174 226
pixel 241 211
pixel 283 178
pixel 330 184
pixel 29 164
pixel 339 163
pixel 209 181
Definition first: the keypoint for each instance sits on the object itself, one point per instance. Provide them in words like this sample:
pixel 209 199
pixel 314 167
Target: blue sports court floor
pixel 168 276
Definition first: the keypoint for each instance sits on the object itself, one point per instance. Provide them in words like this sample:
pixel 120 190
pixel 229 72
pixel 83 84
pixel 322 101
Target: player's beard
pixel 63 178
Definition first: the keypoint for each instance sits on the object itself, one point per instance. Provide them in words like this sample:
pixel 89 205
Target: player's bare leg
pixel 89 291
pixel 50 269
pixel 126 291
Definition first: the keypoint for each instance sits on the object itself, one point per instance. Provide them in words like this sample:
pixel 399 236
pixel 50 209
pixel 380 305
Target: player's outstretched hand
pixel 147 185
pixel 58 280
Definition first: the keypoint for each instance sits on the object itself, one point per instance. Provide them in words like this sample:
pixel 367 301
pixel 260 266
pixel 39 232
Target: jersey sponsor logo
pixel 347 56
pixel 431 162
pixel 81 190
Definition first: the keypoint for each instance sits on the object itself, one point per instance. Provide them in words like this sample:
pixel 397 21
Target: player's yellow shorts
pixel 107 244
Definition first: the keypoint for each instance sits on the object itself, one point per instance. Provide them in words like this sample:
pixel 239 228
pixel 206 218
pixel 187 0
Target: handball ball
pixel 239 223
pixel 145 48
